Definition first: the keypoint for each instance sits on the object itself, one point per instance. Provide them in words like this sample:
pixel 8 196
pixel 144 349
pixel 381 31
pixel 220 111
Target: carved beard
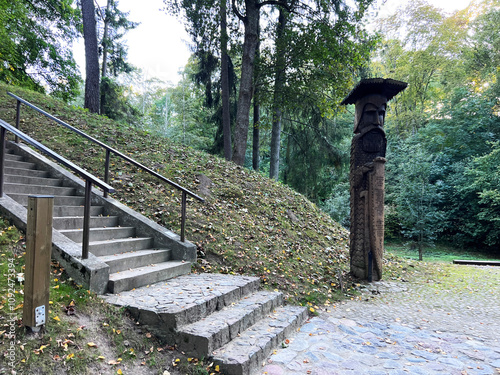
pixel 375 99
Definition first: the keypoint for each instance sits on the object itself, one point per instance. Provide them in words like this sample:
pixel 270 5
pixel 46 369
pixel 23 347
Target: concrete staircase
pixel 222 317
pixel 133 256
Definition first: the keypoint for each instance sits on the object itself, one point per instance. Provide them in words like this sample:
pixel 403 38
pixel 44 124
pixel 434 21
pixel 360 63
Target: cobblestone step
pixel 166 306
pixel 203 337
pixel 245 354
pixel 223 318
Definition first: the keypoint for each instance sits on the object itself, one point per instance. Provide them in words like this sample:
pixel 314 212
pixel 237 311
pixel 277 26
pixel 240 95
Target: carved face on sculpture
pixel 370 110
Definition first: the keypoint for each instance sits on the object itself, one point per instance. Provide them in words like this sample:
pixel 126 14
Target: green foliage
pixel 424 48
pixel 115 25
pixel 414 193
pixel 338 204
pixel 485 53
pixel 35 51
pixel 316 155
pixel 484 174
pixel 444 129
pixel 117 105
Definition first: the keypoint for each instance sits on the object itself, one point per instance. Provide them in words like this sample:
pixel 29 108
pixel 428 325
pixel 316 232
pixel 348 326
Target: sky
pixel 159 45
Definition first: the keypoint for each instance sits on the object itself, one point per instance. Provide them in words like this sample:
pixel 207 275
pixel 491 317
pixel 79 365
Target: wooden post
pixel 38 253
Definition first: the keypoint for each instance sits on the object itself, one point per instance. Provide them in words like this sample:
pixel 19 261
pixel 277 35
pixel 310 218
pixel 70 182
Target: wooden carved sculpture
pixel 367 174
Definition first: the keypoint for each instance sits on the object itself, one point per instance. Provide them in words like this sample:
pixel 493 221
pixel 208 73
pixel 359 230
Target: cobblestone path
pixel 444 322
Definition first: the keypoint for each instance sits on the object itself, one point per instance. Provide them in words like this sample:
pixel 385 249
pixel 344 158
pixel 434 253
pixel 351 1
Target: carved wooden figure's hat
pixel 377 91
pixel 386 87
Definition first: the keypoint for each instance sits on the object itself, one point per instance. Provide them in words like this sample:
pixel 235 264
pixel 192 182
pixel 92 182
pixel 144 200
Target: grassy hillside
pixel 247 225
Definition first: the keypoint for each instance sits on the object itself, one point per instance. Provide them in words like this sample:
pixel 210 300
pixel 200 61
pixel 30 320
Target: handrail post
pixel 106 171
pixel 86 220
pixel 18 118
pixel 183 216
pixel 2 158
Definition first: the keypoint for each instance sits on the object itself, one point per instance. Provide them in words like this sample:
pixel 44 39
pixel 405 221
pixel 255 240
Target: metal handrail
pixel 89 178
pixel 110 150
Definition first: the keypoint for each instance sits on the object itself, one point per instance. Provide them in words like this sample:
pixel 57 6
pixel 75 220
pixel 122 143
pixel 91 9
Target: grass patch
pixel 440 253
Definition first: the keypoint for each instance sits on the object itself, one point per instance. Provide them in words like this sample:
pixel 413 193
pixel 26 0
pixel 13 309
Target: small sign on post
pixel 38 254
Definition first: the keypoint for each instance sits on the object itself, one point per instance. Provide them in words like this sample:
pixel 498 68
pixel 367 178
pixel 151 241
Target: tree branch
pixel 281 3
pixel 237 12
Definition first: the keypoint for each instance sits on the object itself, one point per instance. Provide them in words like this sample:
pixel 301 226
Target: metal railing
pixel 89 179
pixel 109 150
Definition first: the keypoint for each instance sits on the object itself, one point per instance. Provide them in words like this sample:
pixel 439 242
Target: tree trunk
pixel 92 89
pixel 420 247
pixel 279 82
pixel 104 65
pixel 256 116
pixel 226 117
pixel 256 135
pixel 251 38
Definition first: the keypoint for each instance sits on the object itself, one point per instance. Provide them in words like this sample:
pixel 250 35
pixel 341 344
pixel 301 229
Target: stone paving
pixel 424 327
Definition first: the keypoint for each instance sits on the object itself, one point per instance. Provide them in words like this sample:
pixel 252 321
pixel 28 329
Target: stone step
pixel 26 172
pixel 13 157
pixel 58 200
pixel 244 355
pixel 147 275
pixel 76 222
pixel 122 245
pixel 99 234
pixel 61 211
pixel 201 338
pixel 134 259
pixel 38 189
pixel 166 306
pixel 19 164
pixel 28 180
